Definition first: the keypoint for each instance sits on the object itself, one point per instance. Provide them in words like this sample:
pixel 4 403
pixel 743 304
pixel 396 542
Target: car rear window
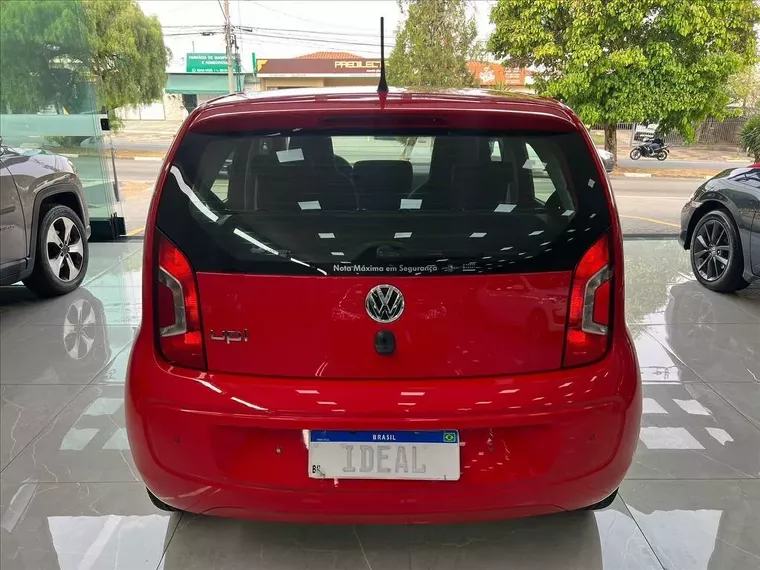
pixel 401 202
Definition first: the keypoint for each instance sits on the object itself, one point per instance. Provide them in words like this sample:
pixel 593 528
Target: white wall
pixel 151 112
pixel 170 108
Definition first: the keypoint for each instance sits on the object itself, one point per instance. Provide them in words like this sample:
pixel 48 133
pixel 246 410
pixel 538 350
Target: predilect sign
pixel 368 65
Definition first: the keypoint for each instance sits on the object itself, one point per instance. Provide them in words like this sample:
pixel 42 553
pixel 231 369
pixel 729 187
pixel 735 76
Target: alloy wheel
pixel 65 249
pixel 78 329
pixel 712 250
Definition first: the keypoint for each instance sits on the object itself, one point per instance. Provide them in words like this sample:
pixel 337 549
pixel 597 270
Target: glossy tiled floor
pixel 70 496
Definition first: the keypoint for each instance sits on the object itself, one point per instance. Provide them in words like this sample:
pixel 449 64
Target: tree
pixel 750 137
pixel 127 53
pixel 42 48
pixel 433 44
pixel 744 88
pixel 648 61
pixel 53 53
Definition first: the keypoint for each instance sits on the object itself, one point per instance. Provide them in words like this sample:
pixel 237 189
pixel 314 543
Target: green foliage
pixel 750 137
pixel 43 51
pixel 647 61
pixel 128 56
pixel 54 52
pixel 433 45
pixel 744 87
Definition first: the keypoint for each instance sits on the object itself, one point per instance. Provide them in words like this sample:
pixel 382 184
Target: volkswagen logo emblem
pixel 384 303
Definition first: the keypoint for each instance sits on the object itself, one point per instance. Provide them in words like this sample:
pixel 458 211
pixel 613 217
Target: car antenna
pixel 382 87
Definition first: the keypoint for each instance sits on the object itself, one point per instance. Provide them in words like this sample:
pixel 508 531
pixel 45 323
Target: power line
pixel 292 33
pixel 209 33
pixel 315 40
pixel 189 26
pixel 198 29
pixel 306 44
pixel 318 42
pixel 299 31
pixel 295 30
pixel 290 36
pixel 289 15
pixel 250 38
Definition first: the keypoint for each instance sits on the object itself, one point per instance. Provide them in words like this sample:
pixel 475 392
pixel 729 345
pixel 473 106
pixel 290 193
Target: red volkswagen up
pixel 382 307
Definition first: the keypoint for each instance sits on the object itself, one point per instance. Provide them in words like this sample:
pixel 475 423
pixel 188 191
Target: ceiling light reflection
pixel 208 385
pixel 187 191
pixel 248 404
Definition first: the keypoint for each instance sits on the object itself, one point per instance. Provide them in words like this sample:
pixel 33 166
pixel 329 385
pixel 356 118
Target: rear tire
pixel 62 255
pixel 662 155
pixel 635 154
pixel 717 259
pixel 603 504
pixel 159 504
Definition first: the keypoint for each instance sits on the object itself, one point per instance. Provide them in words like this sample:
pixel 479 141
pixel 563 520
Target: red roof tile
pixel 329 55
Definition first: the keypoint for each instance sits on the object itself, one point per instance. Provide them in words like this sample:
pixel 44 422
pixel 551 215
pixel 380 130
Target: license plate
pixel 425 455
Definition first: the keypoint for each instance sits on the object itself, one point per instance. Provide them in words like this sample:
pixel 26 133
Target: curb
pixel 637 174
pixel 147 158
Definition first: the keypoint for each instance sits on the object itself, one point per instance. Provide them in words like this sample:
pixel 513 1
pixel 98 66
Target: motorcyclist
pixel 654 145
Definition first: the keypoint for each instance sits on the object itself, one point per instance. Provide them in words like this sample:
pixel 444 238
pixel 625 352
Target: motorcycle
pixel 651 149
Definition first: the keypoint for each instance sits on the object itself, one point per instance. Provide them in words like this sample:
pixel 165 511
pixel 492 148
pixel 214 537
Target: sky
pixel 285 28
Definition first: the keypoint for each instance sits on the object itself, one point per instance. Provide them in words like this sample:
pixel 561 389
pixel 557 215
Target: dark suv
pixel 44 222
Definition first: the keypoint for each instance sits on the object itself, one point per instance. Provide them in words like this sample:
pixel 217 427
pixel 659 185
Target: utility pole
pixel 228 43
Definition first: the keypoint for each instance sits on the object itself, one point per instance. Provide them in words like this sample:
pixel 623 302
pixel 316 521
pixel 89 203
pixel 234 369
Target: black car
pixel 720 225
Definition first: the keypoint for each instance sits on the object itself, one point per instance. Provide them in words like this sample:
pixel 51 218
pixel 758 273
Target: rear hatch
pixel 383 253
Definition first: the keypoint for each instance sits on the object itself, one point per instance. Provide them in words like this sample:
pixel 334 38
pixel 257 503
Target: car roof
pixel 338 94
pixel 359 100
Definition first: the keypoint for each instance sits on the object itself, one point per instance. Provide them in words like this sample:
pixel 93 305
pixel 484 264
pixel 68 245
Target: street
pixel 646 205
pixel 652 205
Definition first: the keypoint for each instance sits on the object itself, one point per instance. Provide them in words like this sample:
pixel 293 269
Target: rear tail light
pixel 178 308
pixel 588 323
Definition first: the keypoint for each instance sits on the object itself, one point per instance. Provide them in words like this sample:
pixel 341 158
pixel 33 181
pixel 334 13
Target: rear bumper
pixel 396 503
pixel 531 444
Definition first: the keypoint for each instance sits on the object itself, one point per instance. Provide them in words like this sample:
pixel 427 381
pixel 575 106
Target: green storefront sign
pixel 206 63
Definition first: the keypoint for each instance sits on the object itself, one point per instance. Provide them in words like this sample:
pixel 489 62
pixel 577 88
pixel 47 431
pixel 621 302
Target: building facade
pixel 342 69
pixel 319 69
